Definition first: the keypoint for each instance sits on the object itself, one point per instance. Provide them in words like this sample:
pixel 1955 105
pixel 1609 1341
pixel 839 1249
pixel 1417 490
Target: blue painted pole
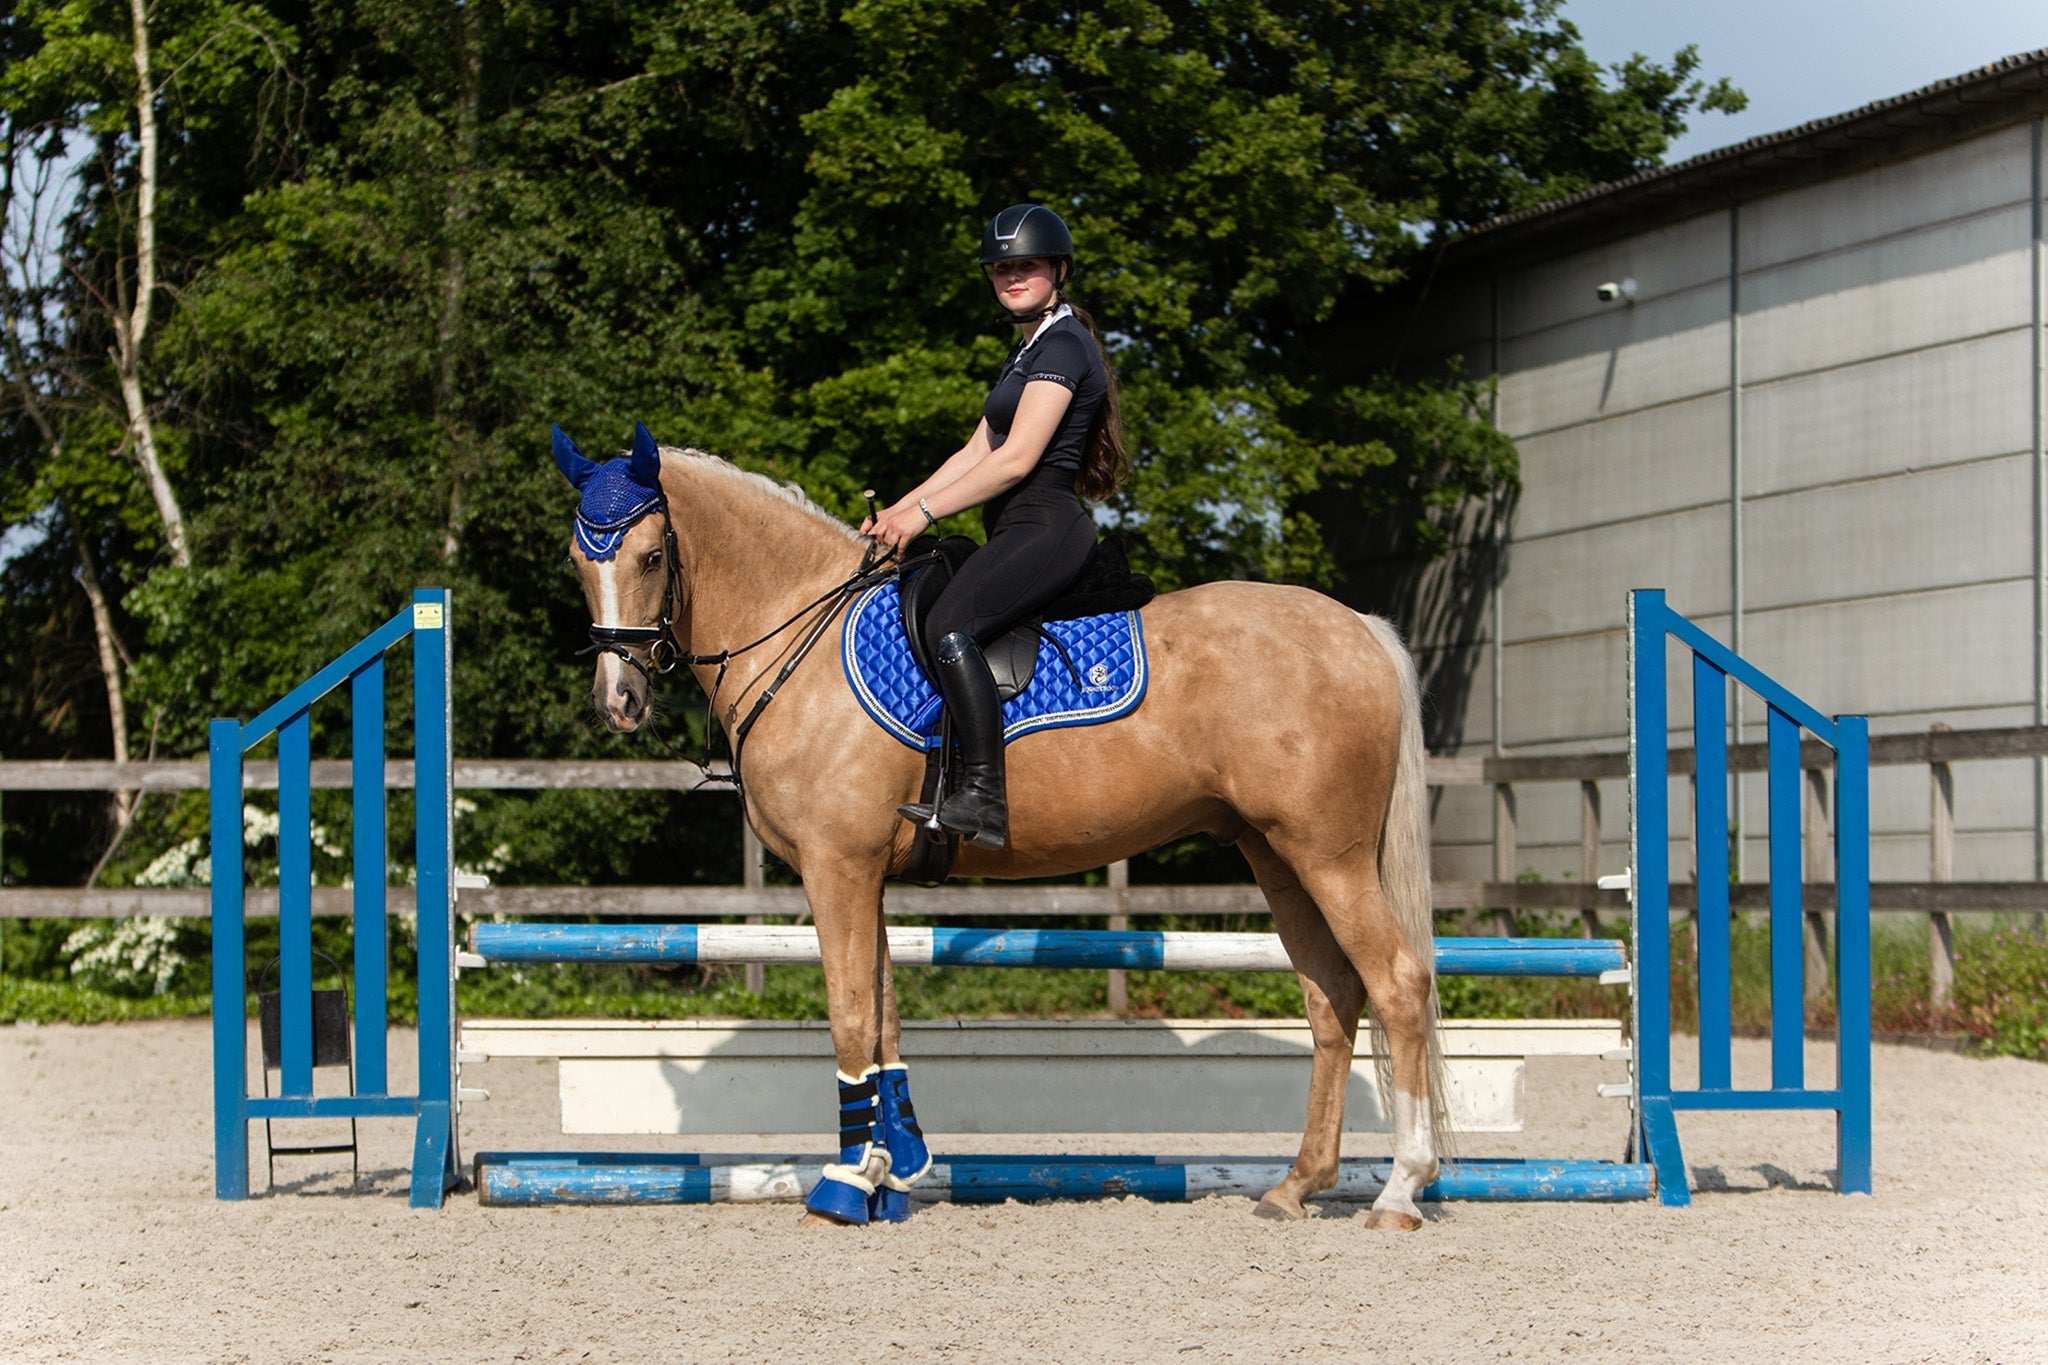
pixel 295 904
pixel 1710 838
pixel 368 836
pixel 1655 1135
pixel 1788 917
pixel 230 990
pixel 1852 952
pixel 570 1178
pixel 434 1146
pixel 1649 796
pixel 1095 949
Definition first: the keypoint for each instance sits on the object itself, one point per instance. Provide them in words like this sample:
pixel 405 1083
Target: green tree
pixel 752 226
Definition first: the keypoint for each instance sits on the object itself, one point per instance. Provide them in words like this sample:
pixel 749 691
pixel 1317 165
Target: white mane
pixel 788 492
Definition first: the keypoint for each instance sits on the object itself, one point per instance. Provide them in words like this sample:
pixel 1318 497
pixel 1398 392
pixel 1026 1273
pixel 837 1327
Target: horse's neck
pixel 753 559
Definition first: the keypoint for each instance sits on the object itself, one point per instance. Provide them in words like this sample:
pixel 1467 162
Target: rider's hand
pixel 896 527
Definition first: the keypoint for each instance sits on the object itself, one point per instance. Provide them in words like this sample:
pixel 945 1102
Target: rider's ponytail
pixel 1104 462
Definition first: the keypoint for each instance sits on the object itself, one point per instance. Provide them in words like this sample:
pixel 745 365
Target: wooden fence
pixel 1939 897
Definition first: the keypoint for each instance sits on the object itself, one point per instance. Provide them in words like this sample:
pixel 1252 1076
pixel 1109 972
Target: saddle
pixel 1106 585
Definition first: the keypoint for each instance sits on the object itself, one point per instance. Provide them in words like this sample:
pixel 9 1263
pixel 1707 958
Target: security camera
pixel 1625 290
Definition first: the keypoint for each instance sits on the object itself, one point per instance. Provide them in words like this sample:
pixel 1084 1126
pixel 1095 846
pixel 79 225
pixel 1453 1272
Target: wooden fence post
pixel 753 878
pixel 1941 860
pixel 1119 981
pixel 1817 848
pixel 1589 856
pixel 1504 849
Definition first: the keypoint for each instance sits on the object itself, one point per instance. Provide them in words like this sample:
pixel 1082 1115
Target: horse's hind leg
pixel 1357 914
pixel 1333 994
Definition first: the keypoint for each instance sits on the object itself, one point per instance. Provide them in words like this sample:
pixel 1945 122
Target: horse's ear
pixel 574 466
pixel 645 462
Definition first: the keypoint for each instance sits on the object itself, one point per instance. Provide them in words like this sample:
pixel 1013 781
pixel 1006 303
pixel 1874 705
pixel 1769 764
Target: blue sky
pixel 1800 60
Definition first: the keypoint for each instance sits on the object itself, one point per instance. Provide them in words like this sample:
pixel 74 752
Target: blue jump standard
pixel 530 1179
pixel 1081 948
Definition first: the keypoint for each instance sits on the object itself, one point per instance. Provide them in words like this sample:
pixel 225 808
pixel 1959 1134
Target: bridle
pixel 664 655
pixel 659 639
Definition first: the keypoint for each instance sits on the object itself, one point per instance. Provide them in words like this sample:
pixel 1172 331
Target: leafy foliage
pixel 2001 995
pixel 397 239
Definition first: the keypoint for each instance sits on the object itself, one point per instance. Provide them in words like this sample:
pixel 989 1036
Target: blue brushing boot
pixel 843 1191
pixel 903 1140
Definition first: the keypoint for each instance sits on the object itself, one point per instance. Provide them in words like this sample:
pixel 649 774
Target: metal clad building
pixel 1811 407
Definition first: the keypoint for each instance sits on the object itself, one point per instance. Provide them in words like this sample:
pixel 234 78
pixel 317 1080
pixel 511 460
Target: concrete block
pixel 1658 351
pixel 1635 464
pixel 1677 259
pixel 1955 647
pixel 1579 582
pixel 1937 285
pixel 1948 404
pixel 1954 181
pixel 1938 528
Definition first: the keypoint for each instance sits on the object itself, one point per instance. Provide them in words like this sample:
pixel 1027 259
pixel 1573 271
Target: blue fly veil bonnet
pixel 616 494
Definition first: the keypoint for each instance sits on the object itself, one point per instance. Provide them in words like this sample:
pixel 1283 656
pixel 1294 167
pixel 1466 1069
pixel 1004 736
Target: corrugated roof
pixel 1961 106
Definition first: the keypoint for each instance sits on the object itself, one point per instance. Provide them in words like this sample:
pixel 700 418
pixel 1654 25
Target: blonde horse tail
pixel 1404 873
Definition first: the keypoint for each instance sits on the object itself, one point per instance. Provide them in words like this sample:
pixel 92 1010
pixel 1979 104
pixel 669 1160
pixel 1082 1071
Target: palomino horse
pixel 1275 719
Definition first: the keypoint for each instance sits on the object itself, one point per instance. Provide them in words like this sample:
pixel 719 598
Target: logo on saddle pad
pixel 1096 673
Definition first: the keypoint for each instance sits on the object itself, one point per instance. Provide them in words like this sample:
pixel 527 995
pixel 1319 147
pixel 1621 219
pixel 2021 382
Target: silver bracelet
pixel 929 520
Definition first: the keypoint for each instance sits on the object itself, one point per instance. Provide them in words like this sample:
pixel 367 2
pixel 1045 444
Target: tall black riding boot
pixel 977 808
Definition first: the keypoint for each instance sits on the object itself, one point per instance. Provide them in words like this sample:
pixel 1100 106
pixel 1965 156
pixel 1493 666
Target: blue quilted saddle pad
pixel 1108 651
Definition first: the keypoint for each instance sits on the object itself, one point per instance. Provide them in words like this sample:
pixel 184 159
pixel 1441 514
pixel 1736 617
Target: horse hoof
pixel 819 1220
pixel 1393 1220
pixel 1284 1213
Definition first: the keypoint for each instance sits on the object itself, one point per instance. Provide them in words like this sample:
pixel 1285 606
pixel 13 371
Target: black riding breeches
pixel 1038 544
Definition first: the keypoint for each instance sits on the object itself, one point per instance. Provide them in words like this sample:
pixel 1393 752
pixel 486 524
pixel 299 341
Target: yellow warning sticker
pixel 426 616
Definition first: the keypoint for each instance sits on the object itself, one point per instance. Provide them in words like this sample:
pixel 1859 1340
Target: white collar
pixel 1063 311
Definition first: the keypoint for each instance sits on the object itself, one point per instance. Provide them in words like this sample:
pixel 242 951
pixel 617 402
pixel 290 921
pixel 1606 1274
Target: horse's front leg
pixel 877 1128
pixel 902 1139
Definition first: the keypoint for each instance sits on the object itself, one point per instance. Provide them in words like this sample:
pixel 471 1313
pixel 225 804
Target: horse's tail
pixel 1404 872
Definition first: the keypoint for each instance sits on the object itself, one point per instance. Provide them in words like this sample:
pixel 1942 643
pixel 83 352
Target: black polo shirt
pixel 1065 354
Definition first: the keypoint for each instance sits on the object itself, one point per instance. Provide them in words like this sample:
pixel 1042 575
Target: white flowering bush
pixel 137 957
pixel 127 957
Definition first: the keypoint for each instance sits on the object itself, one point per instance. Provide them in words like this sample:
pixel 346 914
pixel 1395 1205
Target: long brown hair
pixel 1104 462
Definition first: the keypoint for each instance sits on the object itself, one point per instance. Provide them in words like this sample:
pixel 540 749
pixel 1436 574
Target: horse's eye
pixel 653 560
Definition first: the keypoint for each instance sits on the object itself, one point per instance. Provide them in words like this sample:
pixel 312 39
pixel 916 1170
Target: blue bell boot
pixel 843 1191
pixel 903 1140
pixel 888 1206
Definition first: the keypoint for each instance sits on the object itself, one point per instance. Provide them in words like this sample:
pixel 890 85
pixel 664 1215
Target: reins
pixel 662 652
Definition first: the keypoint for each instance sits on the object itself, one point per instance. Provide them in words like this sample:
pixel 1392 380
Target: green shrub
pixel 2001 994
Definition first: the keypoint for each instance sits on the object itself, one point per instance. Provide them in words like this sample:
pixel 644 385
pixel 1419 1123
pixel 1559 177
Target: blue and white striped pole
pixel 548 1178
pixel 952 947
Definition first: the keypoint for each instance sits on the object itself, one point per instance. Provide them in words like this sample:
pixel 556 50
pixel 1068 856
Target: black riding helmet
pixel 1026 232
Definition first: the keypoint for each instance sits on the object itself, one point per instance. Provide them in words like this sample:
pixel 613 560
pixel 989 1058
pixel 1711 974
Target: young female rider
pixel 1049 436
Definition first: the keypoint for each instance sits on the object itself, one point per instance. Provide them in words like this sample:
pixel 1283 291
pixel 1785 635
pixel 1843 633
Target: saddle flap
pixel 915 595
pixel 1012 659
